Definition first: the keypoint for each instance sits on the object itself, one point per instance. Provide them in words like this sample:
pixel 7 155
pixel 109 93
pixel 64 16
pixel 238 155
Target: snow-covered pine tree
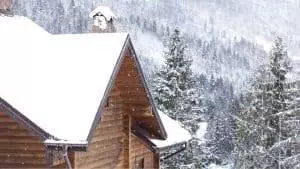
pixel 174 92
pixel 286 105
pixel 251 129
pixel 174 83
pixel 288 146
pixel 264 126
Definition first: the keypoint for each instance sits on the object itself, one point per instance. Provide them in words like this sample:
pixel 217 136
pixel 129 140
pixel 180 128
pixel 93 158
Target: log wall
pixel 138 152
pixel 107 146
pixel 135 96
pixel 112 144
pixel 19 148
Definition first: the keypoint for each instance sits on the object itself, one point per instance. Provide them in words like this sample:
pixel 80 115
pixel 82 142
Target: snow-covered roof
pixel 20 26
pixel 105 11
pixel 56 81
pixel 176 134
pixel 65 142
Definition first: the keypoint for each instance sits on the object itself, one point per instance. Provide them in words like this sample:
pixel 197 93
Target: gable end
pixel 19 117
pixel 127 45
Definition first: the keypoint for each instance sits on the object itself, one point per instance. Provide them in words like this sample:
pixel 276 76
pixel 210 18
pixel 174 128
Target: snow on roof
pixel 57 81
pixel 21 26
pixel 105 11
pixel 176 134
pixel 65 142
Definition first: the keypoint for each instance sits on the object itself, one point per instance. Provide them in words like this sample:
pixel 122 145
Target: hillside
pixel 228 40
pixel 221 42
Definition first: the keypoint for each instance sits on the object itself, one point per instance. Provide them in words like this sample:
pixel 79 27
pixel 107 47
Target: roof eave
pixel 139 132
pixel 19 117
pixel 127 44
pixel 70 146
pixel 164 148
pixel 161 126
pixel 107 90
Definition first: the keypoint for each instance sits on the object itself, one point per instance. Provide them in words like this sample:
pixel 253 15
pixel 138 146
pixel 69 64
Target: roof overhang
pixel 53 140
pixel 164 152
pixel 19 117
pixel 127 45
pixel 62 145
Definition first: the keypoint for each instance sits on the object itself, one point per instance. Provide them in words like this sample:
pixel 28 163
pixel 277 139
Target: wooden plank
pixel 19 139
pixel 108 131
pixel 24 151
pixel 10 126
pixel 100 138
pixel 6 119
pixel 25 159
pixel 21 165
pixel 3 115
pixel 146 118
pixel 28 155
pixel 112 117
pixel 7 133
pixel 21 144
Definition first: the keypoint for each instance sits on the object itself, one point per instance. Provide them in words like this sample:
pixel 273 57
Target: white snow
pixel 201 132
pixel 65 142
pixel 21 26
pixel 100 22
pixel 57 81
pixel 105 11
pixel 214 166
pixel 267 45
pixel 176 134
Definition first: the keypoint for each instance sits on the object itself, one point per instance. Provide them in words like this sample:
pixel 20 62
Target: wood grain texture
pixel 107 144
pixel 19 148
pixel 112 144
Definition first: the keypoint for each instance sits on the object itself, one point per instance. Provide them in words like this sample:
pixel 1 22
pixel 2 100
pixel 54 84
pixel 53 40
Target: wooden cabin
pixel 77 101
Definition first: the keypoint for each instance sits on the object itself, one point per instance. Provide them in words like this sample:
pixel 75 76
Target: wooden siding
pixel 19 148
pixel 112 144
pixel 107 149
pixel 135 96
pixel 139 151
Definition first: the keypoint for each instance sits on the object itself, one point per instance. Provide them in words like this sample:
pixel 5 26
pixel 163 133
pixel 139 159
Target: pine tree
pixel 59 13
pixel 174 82
pixel 264 138
pixel 288 145
pixel 174 93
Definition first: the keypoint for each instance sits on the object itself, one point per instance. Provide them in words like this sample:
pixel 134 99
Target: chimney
pixel 103 19
pixel 5 7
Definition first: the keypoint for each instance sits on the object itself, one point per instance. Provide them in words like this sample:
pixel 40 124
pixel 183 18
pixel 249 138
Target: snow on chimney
pixel 103 20
pixel 5 6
